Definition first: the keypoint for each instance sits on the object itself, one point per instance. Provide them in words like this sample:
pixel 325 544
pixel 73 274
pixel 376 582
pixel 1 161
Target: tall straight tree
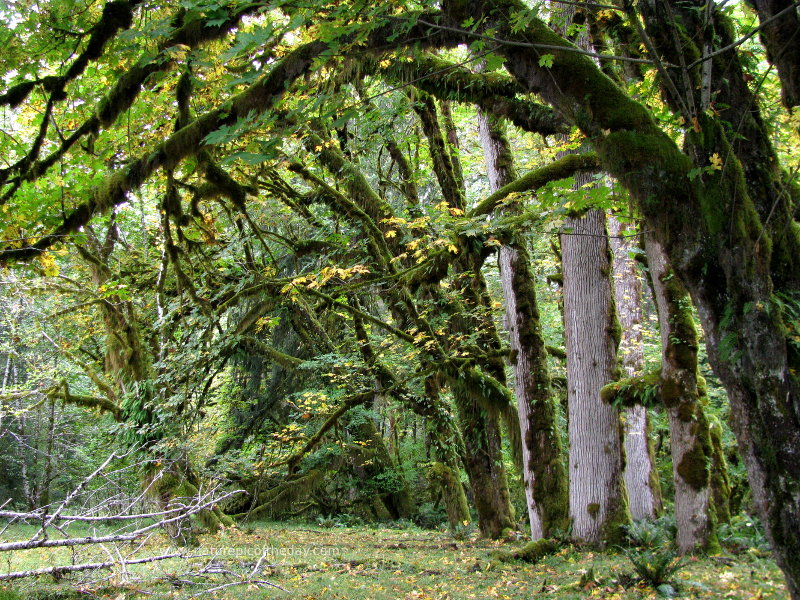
pixel 597 500
pixel 542 454
pixel 641 478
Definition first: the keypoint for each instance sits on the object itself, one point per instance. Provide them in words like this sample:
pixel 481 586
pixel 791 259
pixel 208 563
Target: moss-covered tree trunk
pixel 542 454
pixel 641 477
pixel 455 500
pixel 448 448
pixel 681 392
pixel 717 243
pixel 480 428
pixel 480 413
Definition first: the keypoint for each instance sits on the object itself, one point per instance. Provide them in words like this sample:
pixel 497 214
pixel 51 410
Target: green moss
pixel 640 390
pixel 532 552
pixel 720 481
pixel 694 467
pixel 618 517
pixel 687 411
pixel 453 493
pixel 593 509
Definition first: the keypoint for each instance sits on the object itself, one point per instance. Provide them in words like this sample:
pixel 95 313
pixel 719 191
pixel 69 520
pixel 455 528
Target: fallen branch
pixel 204 504
pixel 57 572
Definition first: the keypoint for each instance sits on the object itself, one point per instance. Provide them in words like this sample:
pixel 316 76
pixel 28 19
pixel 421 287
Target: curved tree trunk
pixel 690 440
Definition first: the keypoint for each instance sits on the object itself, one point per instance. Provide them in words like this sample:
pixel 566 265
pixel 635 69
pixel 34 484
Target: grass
pixel 355 563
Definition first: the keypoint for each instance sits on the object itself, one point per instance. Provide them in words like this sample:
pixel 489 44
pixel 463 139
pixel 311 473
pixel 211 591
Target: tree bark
pixel 641 477
pixel 597 502
pixel 542 455
pixel 690 441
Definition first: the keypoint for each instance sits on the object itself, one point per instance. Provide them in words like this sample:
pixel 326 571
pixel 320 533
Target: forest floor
pixel 306 561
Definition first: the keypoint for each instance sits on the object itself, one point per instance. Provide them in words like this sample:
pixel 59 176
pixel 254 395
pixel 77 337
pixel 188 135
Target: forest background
pixel 531 267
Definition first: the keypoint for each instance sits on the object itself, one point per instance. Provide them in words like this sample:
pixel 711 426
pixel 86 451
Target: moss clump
pixel 532 552
pixel 618 517
pixel 640 390
pixel 694 467
pixel 593 509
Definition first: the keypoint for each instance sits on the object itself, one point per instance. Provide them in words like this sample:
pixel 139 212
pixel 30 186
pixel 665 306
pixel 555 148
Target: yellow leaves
pixel 452 248
pixel 385 63
pixel 48 264
pixel 716 162
pixel 314 281
pixel 605 15
pixel 390 234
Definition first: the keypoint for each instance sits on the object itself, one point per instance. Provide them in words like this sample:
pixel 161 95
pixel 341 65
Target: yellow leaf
pixel 716 162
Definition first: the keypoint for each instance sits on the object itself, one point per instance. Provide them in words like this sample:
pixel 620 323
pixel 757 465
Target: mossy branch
pixel 494 92
pixel 104 404
pixel 532 181
pixel 350 402
pixel 641 390
pixel 283 359
pixel 185 142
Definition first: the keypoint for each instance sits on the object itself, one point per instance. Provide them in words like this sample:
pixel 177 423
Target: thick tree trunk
pixel 542 455
pixel 641 478
pixel 597 502
pixel 690 440
pixel 718 245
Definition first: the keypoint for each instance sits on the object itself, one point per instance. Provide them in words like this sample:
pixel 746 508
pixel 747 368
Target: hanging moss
pixel 285 495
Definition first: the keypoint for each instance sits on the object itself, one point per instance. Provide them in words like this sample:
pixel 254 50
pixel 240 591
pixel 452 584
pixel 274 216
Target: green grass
pixel 369 563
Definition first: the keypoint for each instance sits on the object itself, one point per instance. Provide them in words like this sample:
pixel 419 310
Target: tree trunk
pixel 542 455
pixel 690 441
pixel 597 502
pixel 718 245
pixel 446 441
pixel 479 413
pixel 480 426
pixel 641 477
